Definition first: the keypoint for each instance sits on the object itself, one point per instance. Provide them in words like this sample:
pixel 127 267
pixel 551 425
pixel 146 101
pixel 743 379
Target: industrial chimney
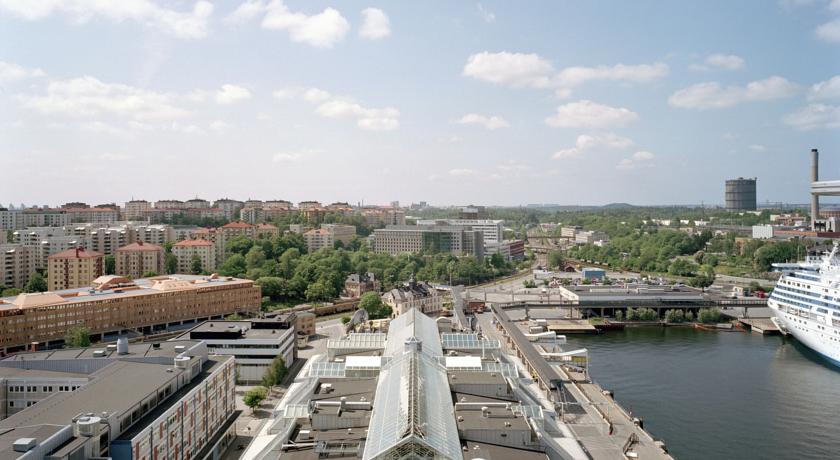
pixel 815 176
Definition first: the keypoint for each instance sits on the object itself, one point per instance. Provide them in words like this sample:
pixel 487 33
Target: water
pixel 722 395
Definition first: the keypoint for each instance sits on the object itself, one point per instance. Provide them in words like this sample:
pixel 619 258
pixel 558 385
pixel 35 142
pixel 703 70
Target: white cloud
pixel 220 126
pixel 322 30
pixel 371 119
pixel 486 15
pixel 520 70
pixel 711 95
pixel 230 94
pixel 488 122
pixel 513 166
pixel 293 157
pixel 637 160
pixel 315 95
pixel 181 24
pixel 571 77
pixel 588 114
pixel 375 24
pixel 114 157
pixel 719 61
pixel 758 148
pixel 815 116
pixel 87 96
pixel 830 31
pixel 826 89
pixel 514 69
pixel 586 143
pixel 330 106
pixel 12 72
pixel 462 172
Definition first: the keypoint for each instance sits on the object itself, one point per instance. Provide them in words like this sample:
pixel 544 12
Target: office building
pixel 510 250
pixel 73 268
pixel 254 343
pixel 430 239
pixel 135 260
pixel 492 231
pixel 17 264
pixel 112 304
pixel 188 250
pixel 167 400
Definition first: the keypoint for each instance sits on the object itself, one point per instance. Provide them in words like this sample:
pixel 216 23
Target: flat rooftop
pixel 232 326
pixel 480 450
pixel 138 287
pixel 135 350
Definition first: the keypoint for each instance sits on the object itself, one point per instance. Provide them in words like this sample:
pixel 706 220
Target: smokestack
pixel 815 176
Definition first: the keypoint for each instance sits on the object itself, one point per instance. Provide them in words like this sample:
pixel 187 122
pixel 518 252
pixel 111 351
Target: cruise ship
pixel 806 303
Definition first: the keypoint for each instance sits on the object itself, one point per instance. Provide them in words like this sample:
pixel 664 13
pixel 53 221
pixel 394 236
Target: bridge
pixel 577 308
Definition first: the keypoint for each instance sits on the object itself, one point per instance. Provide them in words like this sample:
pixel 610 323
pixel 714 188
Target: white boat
pixel 806 302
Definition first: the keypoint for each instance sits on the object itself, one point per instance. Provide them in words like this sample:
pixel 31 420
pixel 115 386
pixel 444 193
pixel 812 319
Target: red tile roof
pixel 193 243
pixel 140 246
pixel 76 253
pixel 237 224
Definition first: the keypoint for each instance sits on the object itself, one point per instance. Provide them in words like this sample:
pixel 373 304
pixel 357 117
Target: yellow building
pixel 186 250
pixel 73 268
pixel 137 259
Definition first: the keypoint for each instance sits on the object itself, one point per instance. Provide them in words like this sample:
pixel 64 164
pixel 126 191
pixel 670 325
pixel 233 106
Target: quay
pixel 598 422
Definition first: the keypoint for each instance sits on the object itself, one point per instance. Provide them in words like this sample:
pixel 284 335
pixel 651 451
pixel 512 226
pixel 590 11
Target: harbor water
pixel 721 395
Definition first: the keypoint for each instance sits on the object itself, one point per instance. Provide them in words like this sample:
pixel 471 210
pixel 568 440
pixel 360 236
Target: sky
pixel 496 103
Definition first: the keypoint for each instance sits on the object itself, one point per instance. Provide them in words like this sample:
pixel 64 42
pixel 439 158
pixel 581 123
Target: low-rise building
pixel 135 260
pixel 254 343
pixel 188 250
pixel 73 268
pixel 510 250
pixel 420 295
pixel 357 284
pixel 590 237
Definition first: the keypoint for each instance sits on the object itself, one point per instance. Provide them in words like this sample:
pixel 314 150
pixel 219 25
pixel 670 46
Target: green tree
pixel 77 337
pixel 233 317
pixel 619 315
pixel 372 303
pixel 171 263
pixel 150 274
pixel 275 373
pixel 36 283
pixel 239 245
pixel 10 292
pixel 555 259
pixel 195 265
pixel 110 265
pixel 234 265
pixel 167 247
pixel 320 290
pixel 254 397
pixel 272 286
pixel 681 267
pixel 255 258
pixel 345 319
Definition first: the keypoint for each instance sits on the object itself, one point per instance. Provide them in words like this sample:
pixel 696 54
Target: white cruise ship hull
pixel 815 334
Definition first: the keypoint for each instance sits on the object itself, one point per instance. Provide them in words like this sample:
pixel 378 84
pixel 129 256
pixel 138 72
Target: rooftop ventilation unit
pixel 99 354
pixel 24 444
pixel 122 346
pixel 87 426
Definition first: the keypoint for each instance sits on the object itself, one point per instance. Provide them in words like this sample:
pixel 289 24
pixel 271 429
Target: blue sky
pixel 647 102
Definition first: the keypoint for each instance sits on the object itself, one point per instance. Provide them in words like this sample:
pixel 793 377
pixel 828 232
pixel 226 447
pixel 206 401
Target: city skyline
pixel 445 103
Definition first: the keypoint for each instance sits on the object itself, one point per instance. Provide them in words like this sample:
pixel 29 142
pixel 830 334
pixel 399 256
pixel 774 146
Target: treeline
pixel 288 274
pixel 649 252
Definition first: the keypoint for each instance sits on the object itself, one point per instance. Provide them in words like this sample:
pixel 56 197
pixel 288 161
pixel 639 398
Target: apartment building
pixel 112 304
pixel 398 239
pixel 384 216
pixel 266 231
pixel 16 219
pixel 228 207
pixel 153 234
pixel 491 230
pixel 197 203
pixel 17 264
pixel 169 204
pixel 107 239
pixel 186 250
pixel 327 235
pixel 135 260
pixel 95 215
pixel 169 400
pixel 73 268
pixel 46 241
pixel 136 209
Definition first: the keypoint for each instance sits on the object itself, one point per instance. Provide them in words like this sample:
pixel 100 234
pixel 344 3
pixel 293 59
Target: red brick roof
pixel 140 246
pixel 193 243
pixel 237 224
pixel 76 253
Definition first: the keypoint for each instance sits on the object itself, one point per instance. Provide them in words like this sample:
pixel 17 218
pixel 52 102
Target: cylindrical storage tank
pixel 740 194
